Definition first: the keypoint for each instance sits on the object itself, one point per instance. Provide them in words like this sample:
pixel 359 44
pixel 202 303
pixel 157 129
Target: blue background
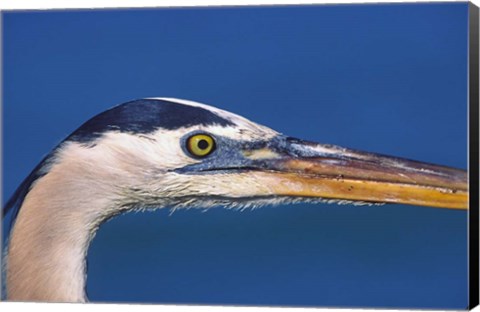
pixel 383 78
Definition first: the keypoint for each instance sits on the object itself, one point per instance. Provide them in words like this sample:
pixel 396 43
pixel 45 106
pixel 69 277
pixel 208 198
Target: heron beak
pixel 304 169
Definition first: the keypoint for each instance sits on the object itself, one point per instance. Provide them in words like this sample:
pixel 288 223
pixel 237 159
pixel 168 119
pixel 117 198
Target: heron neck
pixel 49 241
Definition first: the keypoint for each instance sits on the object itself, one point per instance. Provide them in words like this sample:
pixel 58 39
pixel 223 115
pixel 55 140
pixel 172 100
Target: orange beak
pixel 304 169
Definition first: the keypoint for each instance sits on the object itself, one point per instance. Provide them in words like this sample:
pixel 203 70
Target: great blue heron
pixel 162 152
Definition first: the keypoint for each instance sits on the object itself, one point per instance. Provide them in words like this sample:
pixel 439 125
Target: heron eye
pixel 200 145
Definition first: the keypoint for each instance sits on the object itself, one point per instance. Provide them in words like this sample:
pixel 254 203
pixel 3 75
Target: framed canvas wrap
pixel 392 79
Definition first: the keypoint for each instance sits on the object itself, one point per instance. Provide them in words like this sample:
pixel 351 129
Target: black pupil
pixel 202 144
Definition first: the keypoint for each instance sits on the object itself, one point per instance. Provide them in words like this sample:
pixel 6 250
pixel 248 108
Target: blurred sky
pixel 384 78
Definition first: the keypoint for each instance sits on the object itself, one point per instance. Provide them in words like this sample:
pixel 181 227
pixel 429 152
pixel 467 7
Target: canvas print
pixel 310 155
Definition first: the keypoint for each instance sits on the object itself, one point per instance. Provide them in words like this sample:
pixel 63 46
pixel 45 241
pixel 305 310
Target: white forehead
pixel 243 128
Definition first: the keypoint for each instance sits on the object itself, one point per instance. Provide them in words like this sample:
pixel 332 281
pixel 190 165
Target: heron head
pixel 158 153
pixel 177 153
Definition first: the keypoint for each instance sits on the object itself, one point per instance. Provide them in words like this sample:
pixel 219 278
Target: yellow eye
pixel 200 145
